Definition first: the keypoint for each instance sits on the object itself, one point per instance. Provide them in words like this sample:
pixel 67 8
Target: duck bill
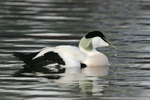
pixel 110 43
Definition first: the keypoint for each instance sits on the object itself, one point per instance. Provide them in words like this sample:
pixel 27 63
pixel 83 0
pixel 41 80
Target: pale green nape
pixel 86 44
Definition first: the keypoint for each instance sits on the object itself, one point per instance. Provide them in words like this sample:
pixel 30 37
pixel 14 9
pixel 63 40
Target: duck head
pixel 93 40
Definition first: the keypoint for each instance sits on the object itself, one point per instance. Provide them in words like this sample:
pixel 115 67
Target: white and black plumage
pixel 57 58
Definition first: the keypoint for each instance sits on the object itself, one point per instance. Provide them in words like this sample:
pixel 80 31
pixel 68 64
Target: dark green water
pixel 30 25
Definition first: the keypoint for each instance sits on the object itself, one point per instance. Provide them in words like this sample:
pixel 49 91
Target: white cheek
pixel 98 42
pixel 103 43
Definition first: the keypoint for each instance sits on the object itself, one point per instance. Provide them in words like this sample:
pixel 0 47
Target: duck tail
pixel 25 57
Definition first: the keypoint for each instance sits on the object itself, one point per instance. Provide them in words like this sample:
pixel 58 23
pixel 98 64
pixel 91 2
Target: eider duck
pixel 56 59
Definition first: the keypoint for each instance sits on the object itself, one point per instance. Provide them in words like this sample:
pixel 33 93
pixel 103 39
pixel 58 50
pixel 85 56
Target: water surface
pixel 30 25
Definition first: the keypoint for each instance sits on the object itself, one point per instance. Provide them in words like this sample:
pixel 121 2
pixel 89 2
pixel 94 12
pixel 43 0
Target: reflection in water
pixel 87 71
pixel 92 86
pixel 96 71
pixel 87 78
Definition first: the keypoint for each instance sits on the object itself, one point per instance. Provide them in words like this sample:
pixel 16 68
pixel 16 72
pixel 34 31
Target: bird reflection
pixel 35 71
pixel 88 78
pixel 86 71
pixel 96 71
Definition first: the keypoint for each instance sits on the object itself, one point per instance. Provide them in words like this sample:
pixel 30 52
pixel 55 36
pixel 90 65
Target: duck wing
pixel 50 62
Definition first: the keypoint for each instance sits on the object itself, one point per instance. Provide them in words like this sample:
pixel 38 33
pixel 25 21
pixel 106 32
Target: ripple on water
pixel 31 25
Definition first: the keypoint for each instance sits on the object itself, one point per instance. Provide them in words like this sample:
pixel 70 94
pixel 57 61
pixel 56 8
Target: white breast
pixel 96 60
